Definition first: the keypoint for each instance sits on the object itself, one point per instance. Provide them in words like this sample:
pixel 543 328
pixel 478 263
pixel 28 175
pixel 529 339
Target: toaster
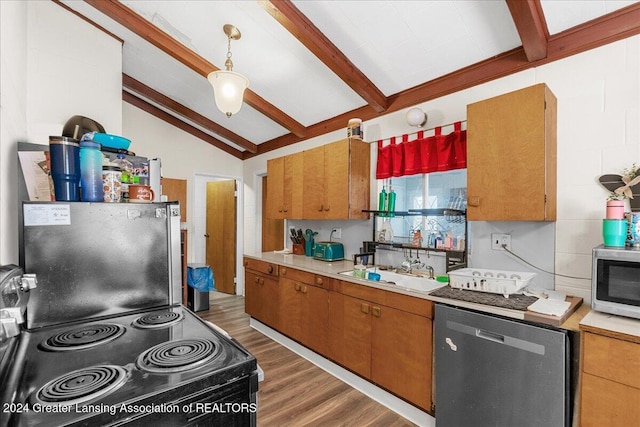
pixel 328 251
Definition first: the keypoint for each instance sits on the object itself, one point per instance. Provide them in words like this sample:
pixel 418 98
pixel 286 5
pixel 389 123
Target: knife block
pixel 298 249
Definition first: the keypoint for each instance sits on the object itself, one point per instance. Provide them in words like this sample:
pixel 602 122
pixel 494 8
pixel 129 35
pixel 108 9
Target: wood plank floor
pixel 295 392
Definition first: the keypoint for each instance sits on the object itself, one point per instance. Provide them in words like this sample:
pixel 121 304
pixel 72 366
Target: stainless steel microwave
pixel 615 281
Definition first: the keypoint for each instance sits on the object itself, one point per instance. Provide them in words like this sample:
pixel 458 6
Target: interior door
pixel 221 234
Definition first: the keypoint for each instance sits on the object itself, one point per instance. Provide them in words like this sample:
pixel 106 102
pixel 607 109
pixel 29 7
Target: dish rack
pixel 493 281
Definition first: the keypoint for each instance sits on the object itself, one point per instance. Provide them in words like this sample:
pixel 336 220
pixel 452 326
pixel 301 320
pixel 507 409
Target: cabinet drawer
pixel 325 282
pixel 419 306
pixel 296 275
pixel 613 359
pixel 261 266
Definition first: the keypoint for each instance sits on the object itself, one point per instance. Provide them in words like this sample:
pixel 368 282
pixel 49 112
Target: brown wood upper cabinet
pixel 511 157
pixel 327 182
pixel 336 180
pixel 284 187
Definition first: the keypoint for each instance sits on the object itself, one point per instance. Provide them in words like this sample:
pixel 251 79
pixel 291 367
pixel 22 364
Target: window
pixel 429 191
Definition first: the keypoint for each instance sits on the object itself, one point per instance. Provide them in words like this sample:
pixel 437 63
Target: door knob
pixel 206 235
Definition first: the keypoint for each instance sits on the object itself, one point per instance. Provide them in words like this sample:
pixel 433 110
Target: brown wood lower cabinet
pixel 261 300
pixel 391 347
pixel 401 349
pixel 304 311
pixel 383 336
pixel 610 381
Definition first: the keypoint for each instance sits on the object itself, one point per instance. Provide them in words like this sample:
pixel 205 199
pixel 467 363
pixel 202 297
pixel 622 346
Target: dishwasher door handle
pixel 491 336
pixel 497 338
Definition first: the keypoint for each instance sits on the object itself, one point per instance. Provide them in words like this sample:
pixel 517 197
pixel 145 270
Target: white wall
pixel 54 66
pixel 598 132
pixel 183 156
pixel 13 123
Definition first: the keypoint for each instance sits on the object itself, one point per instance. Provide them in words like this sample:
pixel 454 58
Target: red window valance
pixel 436 153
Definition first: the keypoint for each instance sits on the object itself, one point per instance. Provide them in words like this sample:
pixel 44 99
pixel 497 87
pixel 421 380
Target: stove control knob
pixel 9 326
pixel 28 282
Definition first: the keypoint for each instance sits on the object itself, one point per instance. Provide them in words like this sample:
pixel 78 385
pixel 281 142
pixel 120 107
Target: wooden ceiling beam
pixel 532 27
pixel 152 34
pixel 174 121
pixel 598 32
pixel 313 39
pixel 168 103
pixel 609 28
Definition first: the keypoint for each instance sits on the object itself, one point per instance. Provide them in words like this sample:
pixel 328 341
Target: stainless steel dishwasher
pixel 492 371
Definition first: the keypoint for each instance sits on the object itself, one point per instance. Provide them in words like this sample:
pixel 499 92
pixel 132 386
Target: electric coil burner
pixel 176 356
pixel 83 337
pixel 81 386
pixel 159 319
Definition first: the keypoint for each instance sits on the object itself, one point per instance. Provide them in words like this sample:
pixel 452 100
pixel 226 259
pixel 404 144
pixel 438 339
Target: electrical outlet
pixel 497 240
pixel 337 232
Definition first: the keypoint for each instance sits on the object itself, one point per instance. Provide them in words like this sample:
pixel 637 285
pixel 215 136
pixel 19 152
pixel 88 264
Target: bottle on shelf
pixel 382 200
pixel 391 206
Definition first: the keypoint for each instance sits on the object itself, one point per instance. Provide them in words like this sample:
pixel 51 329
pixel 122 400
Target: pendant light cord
pixel 540 269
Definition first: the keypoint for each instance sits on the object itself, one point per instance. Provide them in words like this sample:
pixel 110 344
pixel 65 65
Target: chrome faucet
pixel 430 270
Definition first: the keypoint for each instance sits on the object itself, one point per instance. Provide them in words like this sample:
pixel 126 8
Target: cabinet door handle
pixel 257 280
pixel 318 280
pixel 473 201
pixel 320 209
pixel 304 289
pixel 364 308
pixel 262 281
pixel 375 311
pixel 283 270
pixel 284 209
pixel 327 208
pixel 280 210
pixel 270 269
pixel 296 286
pixel 206 235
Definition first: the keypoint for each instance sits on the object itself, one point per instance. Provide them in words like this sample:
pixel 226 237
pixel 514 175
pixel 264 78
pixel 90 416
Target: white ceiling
pixel 396 44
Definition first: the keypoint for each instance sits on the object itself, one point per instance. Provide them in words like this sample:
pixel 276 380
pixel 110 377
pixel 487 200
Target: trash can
pixel 199 283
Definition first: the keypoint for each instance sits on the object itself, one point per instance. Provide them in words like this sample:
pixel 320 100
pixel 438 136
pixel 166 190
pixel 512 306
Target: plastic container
pixel 111 183
pixel 493 281
pixel 615 209
pixel 91 172
pixel 64 154
pixel 111 141
pixel 126 176
pixel 354 129
pixel 614 232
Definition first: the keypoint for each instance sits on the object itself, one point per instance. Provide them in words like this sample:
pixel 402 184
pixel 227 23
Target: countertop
pixel 334 268
pixel 611 325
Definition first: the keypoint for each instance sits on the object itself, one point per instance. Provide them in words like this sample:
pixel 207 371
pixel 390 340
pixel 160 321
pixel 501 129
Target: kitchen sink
pixel 403 280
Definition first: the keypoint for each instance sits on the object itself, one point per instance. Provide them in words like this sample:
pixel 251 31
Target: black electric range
pixel 163 367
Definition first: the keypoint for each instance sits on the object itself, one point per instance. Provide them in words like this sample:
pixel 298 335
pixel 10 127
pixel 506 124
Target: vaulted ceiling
pixel 313 65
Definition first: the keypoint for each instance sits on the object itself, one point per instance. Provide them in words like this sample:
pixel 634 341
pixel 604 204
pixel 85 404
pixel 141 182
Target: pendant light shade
pixel 228 89
pixel 228 86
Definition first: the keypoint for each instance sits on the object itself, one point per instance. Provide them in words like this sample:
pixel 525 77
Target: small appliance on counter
pixel 328 251
pixel 615 281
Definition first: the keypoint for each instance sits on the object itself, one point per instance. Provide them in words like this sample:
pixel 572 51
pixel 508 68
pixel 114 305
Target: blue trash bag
pixel 201 279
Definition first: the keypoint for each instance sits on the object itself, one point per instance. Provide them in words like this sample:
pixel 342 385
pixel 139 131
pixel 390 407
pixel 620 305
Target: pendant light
pixel 228 86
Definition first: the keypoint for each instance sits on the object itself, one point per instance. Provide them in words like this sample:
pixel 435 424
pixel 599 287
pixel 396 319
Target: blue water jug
pixel 91 172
